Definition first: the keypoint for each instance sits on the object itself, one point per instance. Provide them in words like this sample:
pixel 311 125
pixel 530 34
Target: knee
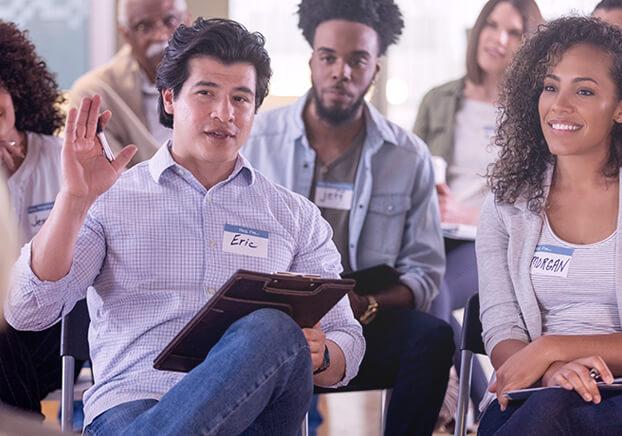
pixel 271 327
pixel 554 403
pixel 438 338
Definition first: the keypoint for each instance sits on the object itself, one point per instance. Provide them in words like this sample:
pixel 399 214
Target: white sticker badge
pixel 334 195
pixel 552 261
pixel 245 241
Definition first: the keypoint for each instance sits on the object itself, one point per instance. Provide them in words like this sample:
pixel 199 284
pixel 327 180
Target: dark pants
pixel 459 284
pixel 555 412
pixel 409 351
pixel 30 366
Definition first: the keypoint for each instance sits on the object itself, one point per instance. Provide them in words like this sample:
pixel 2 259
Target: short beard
pixel 337 116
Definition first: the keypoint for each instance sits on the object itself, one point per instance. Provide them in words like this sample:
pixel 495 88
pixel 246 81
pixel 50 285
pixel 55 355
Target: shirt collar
pixel 146 86
pixel 162 160
pixel 378 128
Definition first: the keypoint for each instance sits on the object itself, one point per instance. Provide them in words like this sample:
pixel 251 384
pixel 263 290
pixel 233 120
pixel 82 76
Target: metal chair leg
pixel 66 408
pixel 466 362
pixel 304 429
pixel 385 396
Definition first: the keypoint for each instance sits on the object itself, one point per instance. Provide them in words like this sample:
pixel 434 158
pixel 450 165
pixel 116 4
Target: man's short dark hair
pixel 225 40
pixel 383 16
pixel 608 4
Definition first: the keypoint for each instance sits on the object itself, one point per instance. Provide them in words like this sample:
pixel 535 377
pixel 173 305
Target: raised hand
pixel 86 171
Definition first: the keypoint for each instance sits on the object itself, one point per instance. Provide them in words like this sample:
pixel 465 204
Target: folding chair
pixel 74 345
pixel 470 343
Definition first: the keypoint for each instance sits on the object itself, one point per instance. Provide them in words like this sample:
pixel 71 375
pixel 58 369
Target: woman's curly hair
pixel 24 75
pixel 383 16
pixel 524 154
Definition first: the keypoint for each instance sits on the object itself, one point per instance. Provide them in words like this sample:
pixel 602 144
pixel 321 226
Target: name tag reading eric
pixel 334 195
pixel 245 241
pixel 552 261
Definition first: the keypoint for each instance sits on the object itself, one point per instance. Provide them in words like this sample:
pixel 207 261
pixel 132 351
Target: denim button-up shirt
pixel 151 255
pixel 394 218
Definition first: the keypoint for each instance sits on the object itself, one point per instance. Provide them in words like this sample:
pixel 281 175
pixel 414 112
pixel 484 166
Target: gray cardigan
pixel 506 240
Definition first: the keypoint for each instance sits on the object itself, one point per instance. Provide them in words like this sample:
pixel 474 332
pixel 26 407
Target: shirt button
pixel 211 290
pixel 212 244
pixel 390 208
pixel 306 165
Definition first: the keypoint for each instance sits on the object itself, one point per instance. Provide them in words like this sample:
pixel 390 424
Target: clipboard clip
pixel 302 275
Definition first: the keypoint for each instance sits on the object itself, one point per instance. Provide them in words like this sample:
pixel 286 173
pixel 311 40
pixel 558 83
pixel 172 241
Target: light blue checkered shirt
pixel 150 253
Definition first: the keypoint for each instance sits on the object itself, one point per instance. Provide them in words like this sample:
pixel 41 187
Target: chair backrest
pixel 472 327
pixel 74 332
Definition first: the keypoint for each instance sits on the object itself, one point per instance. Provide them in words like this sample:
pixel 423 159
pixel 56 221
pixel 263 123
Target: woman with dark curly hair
pixel 548 246
pixel 30 365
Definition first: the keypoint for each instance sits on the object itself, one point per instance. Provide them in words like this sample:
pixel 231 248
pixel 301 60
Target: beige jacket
pixel 119 84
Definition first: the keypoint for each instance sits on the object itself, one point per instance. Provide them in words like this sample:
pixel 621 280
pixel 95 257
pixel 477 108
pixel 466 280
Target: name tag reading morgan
pixel 334 195
pixel 245 241
pixel 552 261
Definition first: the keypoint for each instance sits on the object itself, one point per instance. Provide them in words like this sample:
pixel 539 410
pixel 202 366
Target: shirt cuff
pixel 422 301
pixel 352 351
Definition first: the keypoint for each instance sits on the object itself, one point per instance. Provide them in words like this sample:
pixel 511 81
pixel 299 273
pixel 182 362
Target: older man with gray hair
pixel 127 83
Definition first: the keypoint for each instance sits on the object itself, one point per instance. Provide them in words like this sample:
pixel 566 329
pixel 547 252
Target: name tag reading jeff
pixel 38 213
pixel 552 261
pixel 334 195
pixel 245 241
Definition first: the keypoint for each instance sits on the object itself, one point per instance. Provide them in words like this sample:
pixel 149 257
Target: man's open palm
pixel 86 171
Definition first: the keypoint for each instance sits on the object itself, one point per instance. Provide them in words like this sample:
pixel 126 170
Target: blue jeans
pixel 459 284
pixel 256 381
pixel 555 412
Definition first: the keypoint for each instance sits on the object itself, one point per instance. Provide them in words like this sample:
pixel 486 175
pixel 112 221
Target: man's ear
pixel 617 116
pixel 167 99
pixel 124 32
pixel 378 68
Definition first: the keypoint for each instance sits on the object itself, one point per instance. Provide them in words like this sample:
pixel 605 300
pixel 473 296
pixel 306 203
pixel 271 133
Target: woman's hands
pixel 575 375
pixel 521 370
pixel 86 171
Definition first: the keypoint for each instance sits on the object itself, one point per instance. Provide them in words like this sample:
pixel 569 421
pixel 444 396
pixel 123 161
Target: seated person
pixel 126 84
pixel 457 121
pixel 609 11
pixel 148 246
pixel 548 245
pixel 12 421
pixel 30 363
pixel 332 144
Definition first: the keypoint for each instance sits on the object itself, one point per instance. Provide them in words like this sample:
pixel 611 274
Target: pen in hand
pixel 104 142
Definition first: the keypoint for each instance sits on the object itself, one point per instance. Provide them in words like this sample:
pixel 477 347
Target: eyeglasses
pixel 147 27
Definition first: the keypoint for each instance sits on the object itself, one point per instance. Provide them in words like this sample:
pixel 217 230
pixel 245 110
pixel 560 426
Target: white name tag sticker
pixel 38 213
pixel 245 241
pixel 334 195
pixel 552 261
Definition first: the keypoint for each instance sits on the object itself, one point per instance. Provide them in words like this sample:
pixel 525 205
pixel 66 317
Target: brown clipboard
pixel 305 298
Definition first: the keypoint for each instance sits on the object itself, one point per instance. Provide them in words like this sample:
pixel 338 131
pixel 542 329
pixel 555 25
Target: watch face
pixel 325 363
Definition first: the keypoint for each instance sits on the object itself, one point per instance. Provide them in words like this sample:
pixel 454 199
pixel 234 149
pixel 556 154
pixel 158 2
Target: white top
pixel 150 106
pixel 33 187
pixel 575 285
pixel 474 132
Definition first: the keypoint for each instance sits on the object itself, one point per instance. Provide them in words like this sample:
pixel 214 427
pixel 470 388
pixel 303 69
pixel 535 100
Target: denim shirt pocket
pixel 384 224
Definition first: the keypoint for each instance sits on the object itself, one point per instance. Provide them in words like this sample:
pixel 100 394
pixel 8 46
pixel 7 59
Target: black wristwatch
pixel 325 363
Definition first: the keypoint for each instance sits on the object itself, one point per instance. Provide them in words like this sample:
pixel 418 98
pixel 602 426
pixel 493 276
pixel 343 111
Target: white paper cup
pixel 440 169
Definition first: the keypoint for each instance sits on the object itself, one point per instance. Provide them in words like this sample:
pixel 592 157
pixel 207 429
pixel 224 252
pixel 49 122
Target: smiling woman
pixel 548 246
